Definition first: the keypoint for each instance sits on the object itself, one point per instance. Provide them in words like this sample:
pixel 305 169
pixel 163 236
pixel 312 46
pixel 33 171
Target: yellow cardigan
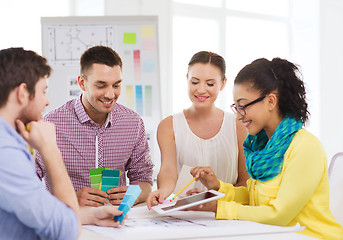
pixel 299 194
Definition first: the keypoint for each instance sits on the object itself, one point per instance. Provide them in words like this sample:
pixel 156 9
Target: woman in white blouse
pixel 201 135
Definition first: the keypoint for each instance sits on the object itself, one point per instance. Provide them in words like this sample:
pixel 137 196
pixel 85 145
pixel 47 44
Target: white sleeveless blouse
pixel 220 152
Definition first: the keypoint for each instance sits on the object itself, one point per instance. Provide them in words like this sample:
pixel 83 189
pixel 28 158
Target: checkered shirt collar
pixel 83 116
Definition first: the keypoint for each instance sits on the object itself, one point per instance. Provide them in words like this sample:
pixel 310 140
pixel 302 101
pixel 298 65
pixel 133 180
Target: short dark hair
pixel 99 54
pixel 209 57
pixel 19 66
pixel 281 75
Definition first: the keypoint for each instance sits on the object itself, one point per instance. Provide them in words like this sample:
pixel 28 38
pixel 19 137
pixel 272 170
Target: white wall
pixel 331 75
pixel 305 51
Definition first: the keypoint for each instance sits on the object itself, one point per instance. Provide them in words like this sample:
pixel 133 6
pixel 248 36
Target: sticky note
pixel 129 199
pixel 147 31
pixel 129 38
pixel 148 44
pixel 148 66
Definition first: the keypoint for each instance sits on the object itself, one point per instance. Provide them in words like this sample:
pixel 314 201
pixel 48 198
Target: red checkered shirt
pixel 119 144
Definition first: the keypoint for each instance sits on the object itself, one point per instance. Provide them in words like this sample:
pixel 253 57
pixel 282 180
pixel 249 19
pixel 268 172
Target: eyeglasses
pixel 241 109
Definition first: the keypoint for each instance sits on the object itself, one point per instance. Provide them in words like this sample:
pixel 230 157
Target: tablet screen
pixel 191 199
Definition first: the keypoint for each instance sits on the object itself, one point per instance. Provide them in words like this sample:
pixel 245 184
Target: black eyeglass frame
pixel 241 108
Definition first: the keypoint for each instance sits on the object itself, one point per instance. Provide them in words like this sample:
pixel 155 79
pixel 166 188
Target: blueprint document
pixel 183 224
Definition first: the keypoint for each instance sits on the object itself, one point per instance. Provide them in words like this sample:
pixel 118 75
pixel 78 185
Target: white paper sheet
pixel 144 224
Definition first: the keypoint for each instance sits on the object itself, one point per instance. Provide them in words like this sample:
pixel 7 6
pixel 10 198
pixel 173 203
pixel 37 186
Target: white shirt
pixel 219 152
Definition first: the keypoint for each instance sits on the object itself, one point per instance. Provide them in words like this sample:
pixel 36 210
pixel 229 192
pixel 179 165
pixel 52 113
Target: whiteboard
pixel 134 38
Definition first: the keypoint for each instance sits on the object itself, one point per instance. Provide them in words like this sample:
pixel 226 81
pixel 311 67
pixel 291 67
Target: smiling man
pixel 95 131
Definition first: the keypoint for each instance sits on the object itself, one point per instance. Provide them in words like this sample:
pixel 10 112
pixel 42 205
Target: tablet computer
pixel 186 202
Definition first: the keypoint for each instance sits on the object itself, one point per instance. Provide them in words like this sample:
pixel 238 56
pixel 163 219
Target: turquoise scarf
pixel 264 159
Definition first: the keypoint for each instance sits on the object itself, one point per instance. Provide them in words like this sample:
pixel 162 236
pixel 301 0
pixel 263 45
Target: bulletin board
pixel 134 38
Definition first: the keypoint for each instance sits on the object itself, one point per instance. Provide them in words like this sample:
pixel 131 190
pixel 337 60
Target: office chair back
pixel 336 186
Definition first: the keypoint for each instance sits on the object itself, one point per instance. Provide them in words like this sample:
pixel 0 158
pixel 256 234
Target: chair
pixel 336 186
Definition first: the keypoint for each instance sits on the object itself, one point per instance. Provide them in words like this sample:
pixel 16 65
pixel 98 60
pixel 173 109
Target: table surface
pixel 90 235
pixel 142 227
pixel 87 234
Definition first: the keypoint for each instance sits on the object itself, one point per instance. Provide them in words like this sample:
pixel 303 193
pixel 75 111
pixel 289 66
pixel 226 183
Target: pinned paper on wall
pixel 74 88
pixel 129 97
pixel 137 64
pixel 148 44
pixel 129 38
pixel 139 99
pixel 147 31
pixel 148 100
pixel 104 178
pixel 129 199
pixel 148 66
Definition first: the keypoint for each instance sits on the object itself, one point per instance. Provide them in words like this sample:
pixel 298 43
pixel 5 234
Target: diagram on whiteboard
pixel 135 43
pixel 67 43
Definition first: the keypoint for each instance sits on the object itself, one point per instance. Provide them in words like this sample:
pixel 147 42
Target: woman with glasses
pixel 202 134
pixel 287 164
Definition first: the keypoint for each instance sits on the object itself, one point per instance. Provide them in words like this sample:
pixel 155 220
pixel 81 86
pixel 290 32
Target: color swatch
pixel 110 179
pixel 129 199
pixel 104 178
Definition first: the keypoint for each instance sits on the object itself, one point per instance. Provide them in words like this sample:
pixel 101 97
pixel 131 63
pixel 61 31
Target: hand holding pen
pixel 182 189
pixel 206 177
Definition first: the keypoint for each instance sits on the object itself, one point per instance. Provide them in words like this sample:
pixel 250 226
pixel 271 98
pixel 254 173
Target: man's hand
pixel 41 134
pixel 116 195
pixel 92 197
pixel 101 216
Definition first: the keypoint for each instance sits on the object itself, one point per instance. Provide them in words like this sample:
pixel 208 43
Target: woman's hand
pixel 208 207
pixel 206 176
pixel 156 197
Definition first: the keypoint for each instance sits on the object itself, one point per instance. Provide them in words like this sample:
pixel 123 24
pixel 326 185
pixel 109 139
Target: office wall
pixel 331 75
pixel 304 41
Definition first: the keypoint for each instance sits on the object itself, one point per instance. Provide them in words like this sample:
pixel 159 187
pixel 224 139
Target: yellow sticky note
pixel 147 31
pixel 129 38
